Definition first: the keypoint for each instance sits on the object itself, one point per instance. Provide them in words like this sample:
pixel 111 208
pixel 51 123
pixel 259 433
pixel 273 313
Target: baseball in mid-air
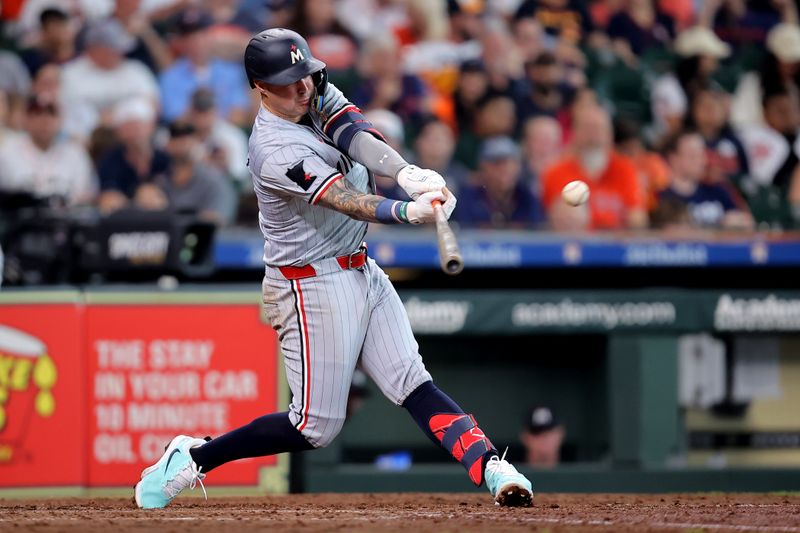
pixel 575 193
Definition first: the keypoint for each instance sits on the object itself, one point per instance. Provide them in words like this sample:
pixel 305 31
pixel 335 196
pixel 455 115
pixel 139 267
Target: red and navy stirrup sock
pixel 263 436
pixel 447 425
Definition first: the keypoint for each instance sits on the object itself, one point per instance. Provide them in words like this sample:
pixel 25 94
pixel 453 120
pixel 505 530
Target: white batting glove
pixel 416 181
pixel 450 203
pixel 421 210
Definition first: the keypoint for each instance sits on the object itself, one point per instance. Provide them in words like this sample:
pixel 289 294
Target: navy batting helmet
pixel 280 57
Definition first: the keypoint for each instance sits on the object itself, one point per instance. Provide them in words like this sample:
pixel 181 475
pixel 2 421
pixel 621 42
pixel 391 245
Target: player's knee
pixel 322 430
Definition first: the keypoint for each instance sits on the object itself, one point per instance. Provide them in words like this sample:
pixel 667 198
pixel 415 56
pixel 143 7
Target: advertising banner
pixel 481 248
pixel 42 395
pixel 505 312
pixel 160 370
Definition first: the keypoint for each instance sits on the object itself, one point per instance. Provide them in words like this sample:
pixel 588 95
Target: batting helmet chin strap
pixel 460 435
pixel 320 79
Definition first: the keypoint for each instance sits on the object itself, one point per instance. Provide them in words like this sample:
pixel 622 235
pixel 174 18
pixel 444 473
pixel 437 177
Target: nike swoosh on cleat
pixel 176 450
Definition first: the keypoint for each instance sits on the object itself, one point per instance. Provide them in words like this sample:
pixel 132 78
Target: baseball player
pixel 312 157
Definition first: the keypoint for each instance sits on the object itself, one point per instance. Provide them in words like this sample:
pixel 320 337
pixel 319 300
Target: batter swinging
pixel 312 159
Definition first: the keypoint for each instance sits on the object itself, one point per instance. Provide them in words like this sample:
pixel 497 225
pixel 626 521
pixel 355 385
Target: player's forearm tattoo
pixel 342 197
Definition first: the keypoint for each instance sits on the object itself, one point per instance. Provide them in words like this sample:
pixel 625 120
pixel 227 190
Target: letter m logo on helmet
pixel 296 54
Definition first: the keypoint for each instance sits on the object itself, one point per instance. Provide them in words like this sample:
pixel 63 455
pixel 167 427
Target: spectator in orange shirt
pixel 498 199
pixel 617 200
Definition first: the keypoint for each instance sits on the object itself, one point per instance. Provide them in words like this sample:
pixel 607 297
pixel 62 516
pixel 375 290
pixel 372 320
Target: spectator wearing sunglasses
pixel 42 162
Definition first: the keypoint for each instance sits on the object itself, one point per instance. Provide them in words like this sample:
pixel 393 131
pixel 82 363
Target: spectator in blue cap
pixel 196 68
pixel 498 198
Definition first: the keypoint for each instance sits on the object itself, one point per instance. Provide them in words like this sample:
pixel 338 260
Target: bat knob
pixel 454 267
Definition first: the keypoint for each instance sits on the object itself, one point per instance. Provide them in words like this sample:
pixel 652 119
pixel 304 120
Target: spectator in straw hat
pixel 700 51
pixel 778 72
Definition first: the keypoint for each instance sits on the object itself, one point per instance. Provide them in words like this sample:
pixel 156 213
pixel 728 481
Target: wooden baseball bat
pixel 449 252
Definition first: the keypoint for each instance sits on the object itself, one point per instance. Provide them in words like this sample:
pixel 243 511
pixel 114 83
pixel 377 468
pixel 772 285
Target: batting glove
pixel 421 210
pixel 449 203
pixel 416 181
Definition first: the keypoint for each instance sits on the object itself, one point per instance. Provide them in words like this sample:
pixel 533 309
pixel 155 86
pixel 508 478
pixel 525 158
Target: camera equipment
pixel 46 245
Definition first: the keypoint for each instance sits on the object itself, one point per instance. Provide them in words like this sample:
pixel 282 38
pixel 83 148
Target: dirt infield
pixel 413 513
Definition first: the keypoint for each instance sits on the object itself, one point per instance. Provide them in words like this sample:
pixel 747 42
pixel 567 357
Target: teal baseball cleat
pixel 172 473
pixel 508 487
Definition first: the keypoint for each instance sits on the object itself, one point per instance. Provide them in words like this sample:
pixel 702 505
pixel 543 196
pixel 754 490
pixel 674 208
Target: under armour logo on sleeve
pixel 301 177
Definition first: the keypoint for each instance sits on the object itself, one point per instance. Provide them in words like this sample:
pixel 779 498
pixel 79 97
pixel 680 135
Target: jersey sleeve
pixel 341 120
pixel 297 171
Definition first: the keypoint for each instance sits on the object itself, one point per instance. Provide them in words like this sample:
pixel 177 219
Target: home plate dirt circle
pixel 412 513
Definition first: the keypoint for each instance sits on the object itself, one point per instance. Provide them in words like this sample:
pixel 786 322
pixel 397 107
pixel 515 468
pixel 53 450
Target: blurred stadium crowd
pixel 678 113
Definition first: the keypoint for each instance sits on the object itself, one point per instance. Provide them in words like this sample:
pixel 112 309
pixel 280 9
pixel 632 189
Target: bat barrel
pixel 449 254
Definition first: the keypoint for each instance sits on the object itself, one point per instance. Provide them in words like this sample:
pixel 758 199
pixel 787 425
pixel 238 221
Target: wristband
pixel 402 214
pixel 391 212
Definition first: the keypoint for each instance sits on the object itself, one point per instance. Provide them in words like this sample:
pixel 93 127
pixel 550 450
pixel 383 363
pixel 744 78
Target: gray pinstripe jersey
pixel 330 321
pixel 292 165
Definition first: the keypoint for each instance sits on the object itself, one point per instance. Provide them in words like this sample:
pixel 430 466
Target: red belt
pixel 355 260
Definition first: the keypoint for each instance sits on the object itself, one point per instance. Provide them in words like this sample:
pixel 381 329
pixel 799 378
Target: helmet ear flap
pixel 320 79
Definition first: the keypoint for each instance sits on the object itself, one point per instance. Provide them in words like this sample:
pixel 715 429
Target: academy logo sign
pixel 608 315
pixel 441 316
pixel 769 313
